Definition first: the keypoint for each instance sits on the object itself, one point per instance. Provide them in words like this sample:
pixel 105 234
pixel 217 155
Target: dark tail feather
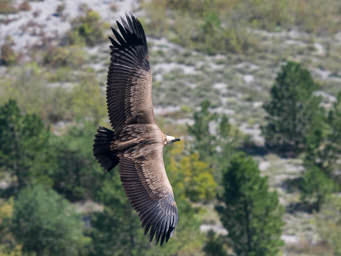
pixel 102 151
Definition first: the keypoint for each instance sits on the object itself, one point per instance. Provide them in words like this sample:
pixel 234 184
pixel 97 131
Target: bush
pixel 194 176
pixel 86 29
pixel 329 224
pixel 72 56
pixel 49 103
pixel 25 6
pixel 293 111
pixel 199 26
pixel 8 56
pixel 55 103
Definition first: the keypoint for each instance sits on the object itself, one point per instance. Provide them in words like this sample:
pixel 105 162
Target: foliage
pixel 225 25
pixel 331 147
pixel 213 143
pixel 322 152
pixel 8 245
pixel 214 245
pixel 75 172
pixel 85 98
pixel 71 56
pixel 251 214
pixel 316 186
pixel 55 103
pixel 23 141
pixel 86 29
pixel 329 224
pixel 190 174
pixel 198 26
pixel 116 230
pixel 47 102
pixel 46 224
pixel 293 110
pixel 8 55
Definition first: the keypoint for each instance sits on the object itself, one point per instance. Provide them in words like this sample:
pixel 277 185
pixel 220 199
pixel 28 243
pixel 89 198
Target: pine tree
pixel 291 110
pixel 251 214
pixel 322 152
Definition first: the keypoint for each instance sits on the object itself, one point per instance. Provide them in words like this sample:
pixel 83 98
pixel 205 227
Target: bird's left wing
pixel 146 184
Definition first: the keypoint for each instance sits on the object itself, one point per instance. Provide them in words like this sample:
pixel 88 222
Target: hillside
pixel 237 84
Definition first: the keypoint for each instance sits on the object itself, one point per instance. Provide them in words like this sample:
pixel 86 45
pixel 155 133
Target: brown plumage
pixel 136 143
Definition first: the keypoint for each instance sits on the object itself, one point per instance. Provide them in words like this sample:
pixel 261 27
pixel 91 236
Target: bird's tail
pixel 102 148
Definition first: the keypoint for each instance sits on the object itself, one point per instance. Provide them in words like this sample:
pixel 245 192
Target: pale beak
pixel 171 139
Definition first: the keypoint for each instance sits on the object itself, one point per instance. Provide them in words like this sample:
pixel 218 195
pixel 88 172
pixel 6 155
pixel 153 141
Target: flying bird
pixel 136 142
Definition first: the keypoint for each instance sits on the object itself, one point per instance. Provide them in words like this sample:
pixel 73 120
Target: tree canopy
pixel 249 211
pixel 292 110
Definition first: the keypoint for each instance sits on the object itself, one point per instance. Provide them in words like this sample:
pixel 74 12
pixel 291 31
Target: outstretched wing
pixel 129 84
pixel 145 181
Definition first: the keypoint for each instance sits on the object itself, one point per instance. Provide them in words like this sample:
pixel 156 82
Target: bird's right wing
pixel 145 181
pixel 129 83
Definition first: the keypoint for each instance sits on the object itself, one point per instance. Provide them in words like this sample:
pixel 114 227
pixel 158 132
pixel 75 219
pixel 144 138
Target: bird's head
pixel 171 139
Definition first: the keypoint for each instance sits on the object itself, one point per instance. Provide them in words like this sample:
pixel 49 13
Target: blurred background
pixel 254 86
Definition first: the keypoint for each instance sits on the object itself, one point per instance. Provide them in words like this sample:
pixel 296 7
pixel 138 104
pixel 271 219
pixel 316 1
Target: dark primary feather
pixel 129 76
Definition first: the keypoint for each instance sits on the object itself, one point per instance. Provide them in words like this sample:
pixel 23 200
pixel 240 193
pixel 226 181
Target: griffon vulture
pixel 136 142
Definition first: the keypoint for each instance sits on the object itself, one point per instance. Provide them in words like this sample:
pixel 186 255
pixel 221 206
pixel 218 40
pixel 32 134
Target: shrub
pixel 8 56
pixel 72 56
pixel 329 224
pixel 87 29
pixel 25 6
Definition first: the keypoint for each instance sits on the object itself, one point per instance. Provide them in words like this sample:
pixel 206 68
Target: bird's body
pixel 136 143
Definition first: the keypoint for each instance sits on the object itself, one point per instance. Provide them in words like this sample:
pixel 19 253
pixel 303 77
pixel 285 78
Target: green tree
pixel 75 172
pixel 321 154
pixel 23 144
pixel 214 245
pixel 212 144
pixel 331 150
pixel 116 230
pixel 292 109
pixel 316 186
pixel 46 224
pixel 251 214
